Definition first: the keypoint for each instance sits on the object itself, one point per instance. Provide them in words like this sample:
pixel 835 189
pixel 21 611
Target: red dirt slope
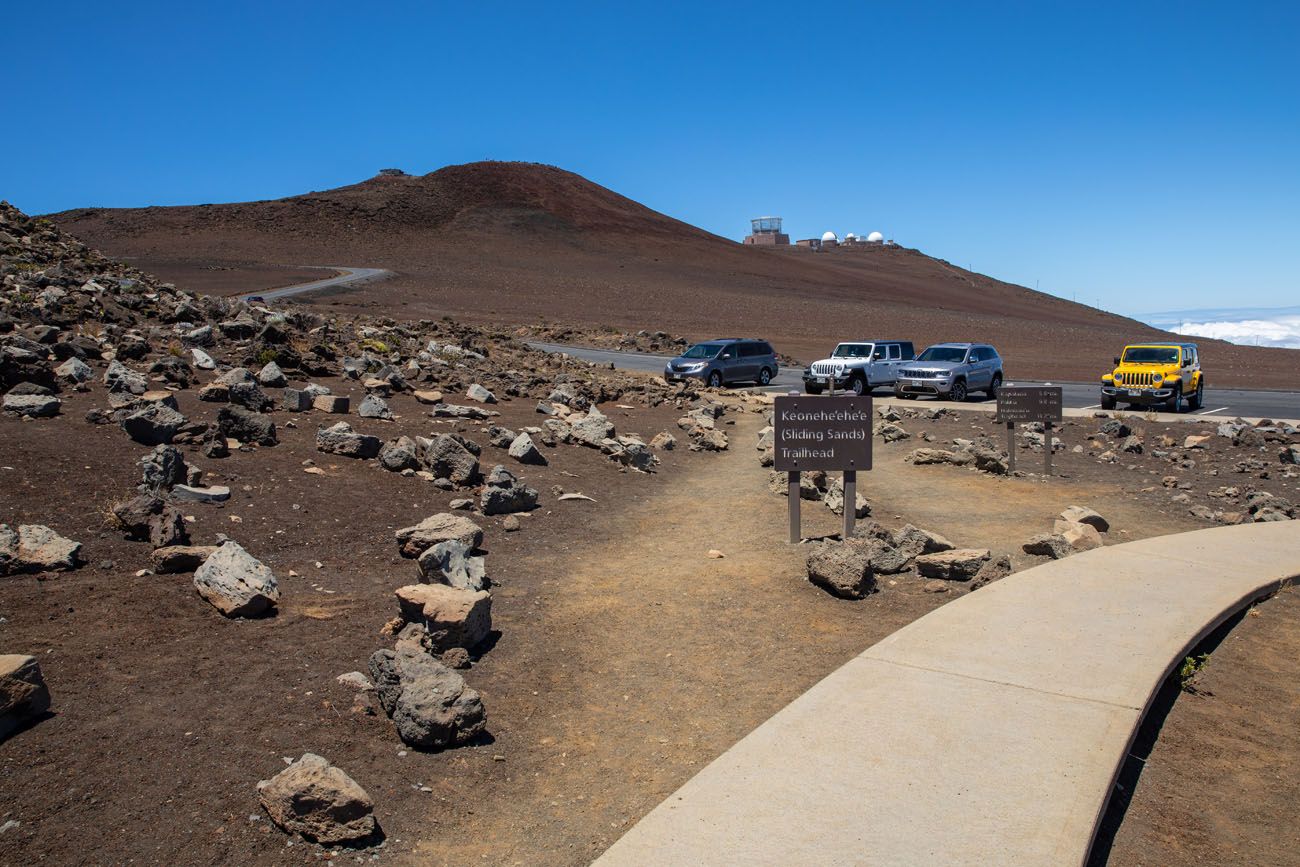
pixel 520 242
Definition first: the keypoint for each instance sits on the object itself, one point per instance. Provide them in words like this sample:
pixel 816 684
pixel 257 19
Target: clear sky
pixel 1141 155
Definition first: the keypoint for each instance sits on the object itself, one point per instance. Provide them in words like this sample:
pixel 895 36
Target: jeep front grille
pixel 920 374
pixel 1144 379
pixel 826 368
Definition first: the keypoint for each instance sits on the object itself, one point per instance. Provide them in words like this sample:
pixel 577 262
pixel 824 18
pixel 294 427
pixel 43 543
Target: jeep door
pixel 977 371
pixel 894 356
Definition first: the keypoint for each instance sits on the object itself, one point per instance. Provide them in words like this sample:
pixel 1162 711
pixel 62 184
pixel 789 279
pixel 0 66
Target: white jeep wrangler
pixel 859 366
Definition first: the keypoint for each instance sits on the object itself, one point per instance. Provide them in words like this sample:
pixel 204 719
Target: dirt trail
pixel 669 657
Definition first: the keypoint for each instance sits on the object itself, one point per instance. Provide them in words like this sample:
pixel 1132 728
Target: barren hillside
pixel 519 242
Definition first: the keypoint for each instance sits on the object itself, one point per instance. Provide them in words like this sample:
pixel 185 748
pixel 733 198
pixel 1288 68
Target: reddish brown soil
pixel 1219 785
pixel 626 658
pixel 515 242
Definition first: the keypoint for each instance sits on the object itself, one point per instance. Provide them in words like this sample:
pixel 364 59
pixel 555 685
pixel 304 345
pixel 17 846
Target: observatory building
pixel 766 231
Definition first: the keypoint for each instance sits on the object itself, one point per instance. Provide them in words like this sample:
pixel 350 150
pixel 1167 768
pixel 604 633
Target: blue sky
pixel 1138 155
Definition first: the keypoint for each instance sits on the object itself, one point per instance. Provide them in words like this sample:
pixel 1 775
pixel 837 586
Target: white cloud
pixel 1248 327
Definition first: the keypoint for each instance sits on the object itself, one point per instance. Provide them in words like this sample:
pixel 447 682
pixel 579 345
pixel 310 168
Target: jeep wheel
pixel 858 385
pixel 1197 400
pixel 764 376
pixel 1107 402
pixel 1175 404
pixel 715 380
pixel 812 389
pixel 958 392
pixel 994 386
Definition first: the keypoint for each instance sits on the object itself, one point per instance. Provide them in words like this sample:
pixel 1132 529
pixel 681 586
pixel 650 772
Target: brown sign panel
pixel 1029 403
pixel 822 433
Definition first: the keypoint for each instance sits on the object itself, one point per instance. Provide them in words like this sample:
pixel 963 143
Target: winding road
pixel 345 277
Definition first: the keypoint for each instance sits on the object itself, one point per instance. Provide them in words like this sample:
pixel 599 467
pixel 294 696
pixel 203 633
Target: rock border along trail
pixel 989 731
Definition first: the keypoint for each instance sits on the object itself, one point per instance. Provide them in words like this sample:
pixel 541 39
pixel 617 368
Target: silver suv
pixel 952 369
pixel 859 366
pixel 723 361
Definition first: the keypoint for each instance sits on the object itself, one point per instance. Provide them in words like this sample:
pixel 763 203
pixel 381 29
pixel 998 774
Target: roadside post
pixel 822 433
pixel 1022 404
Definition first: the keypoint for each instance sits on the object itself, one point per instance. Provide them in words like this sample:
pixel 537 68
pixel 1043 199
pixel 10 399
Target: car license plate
pixel 1135 392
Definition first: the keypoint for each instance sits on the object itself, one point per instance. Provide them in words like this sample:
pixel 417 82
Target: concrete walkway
pixel 987 732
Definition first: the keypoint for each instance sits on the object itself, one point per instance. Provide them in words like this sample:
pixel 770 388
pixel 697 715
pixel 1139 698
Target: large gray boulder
pixel 374 406
pixel 24 696
pixel 313 798
pixel 503 493
pixel 400 454
pixel 155 423
pixel 36 548
pixel 236 583
pixel 341 439
pixel 592 429
pixel 272 376
pixel 428 702
pixel 523 450
pixel 238 423
pixel 959 564
pixel 75 371
pixel 120 378
pixel 441 527
pixel 843 569
pixel 161 469
pixel 448 458
pixel 1052 545
pixel 32 405
pixel 148 518
pixel 452 563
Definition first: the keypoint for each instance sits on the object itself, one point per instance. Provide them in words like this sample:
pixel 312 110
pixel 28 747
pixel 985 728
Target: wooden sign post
pixel 1021 404
pixel 822 433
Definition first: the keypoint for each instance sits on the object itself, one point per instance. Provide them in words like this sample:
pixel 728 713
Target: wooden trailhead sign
pixel 822 433
pixel 1029 403
pixel 1026 404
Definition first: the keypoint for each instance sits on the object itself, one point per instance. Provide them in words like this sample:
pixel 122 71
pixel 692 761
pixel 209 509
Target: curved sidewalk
pixel 989 731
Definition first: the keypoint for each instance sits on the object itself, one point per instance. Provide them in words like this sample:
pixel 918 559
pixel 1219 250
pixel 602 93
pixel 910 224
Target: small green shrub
pixel 266 356
pixel 1191 667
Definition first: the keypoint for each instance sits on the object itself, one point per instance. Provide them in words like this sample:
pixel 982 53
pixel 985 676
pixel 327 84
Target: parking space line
pixel 1094 406
pixel 1208 411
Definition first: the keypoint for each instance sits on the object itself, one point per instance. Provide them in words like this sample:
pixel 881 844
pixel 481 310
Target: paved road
pixel 1225 402
pixel 346 276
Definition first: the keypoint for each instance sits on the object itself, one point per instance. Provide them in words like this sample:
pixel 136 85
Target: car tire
pixel 994 385
pixel 958 392
pixel 1175 404
pixel 858 386
pixel 1107 402
pixel 1197 400
pixel 812 389
pixel 715 380
pixel 765 377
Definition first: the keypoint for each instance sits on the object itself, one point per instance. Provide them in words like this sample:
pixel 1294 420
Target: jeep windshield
pixel 852 350
pixel 702 350
pixel 954 354
pixel 1151 355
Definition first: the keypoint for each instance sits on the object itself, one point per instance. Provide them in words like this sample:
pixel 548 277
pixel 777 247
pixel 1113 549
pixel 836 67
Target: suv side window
pixel 909 352
pixel 766 349
pixel 894 352
pixel 976 354
pixel 752 350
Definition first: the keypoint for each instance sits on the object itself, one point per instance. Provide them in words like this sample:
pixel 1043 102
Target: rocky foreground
pixel 76 327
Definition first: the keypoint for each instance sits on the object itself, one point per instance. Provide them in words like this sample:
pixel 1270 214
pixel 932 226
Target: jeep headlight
pixel 1118 379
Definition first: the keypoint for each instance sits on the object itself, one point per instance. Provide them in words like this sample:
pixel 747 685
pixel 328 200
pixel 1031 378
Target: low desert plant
pixel 1188 671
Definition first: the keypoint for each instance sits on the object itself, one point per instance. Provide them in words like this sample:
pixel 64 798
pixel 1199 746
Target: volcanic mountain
pixel 519 242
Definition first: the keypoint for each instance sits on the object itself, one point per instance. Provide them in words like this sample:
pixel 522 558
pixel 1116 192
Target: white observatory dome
pixel 875 237
pixel 828 236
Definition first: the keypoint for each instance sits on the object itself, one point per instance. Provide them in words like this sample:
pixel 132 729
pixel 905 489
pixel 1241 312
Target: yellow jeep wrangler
pixel 1155 374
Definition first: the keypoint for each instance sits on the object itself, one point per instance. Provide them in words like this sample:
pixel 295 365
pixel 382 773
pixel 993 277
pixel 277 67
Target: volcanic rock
pixel 451 563
pixel 503 493
pixel 437 528
pixel 842 568
pixel 236 583
pixel 36 548
pixel 240 424
pixel 428 702
pixel 959 564
pixel 452 617
pixel 340 439
pixel 24 697
pixel 313 798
